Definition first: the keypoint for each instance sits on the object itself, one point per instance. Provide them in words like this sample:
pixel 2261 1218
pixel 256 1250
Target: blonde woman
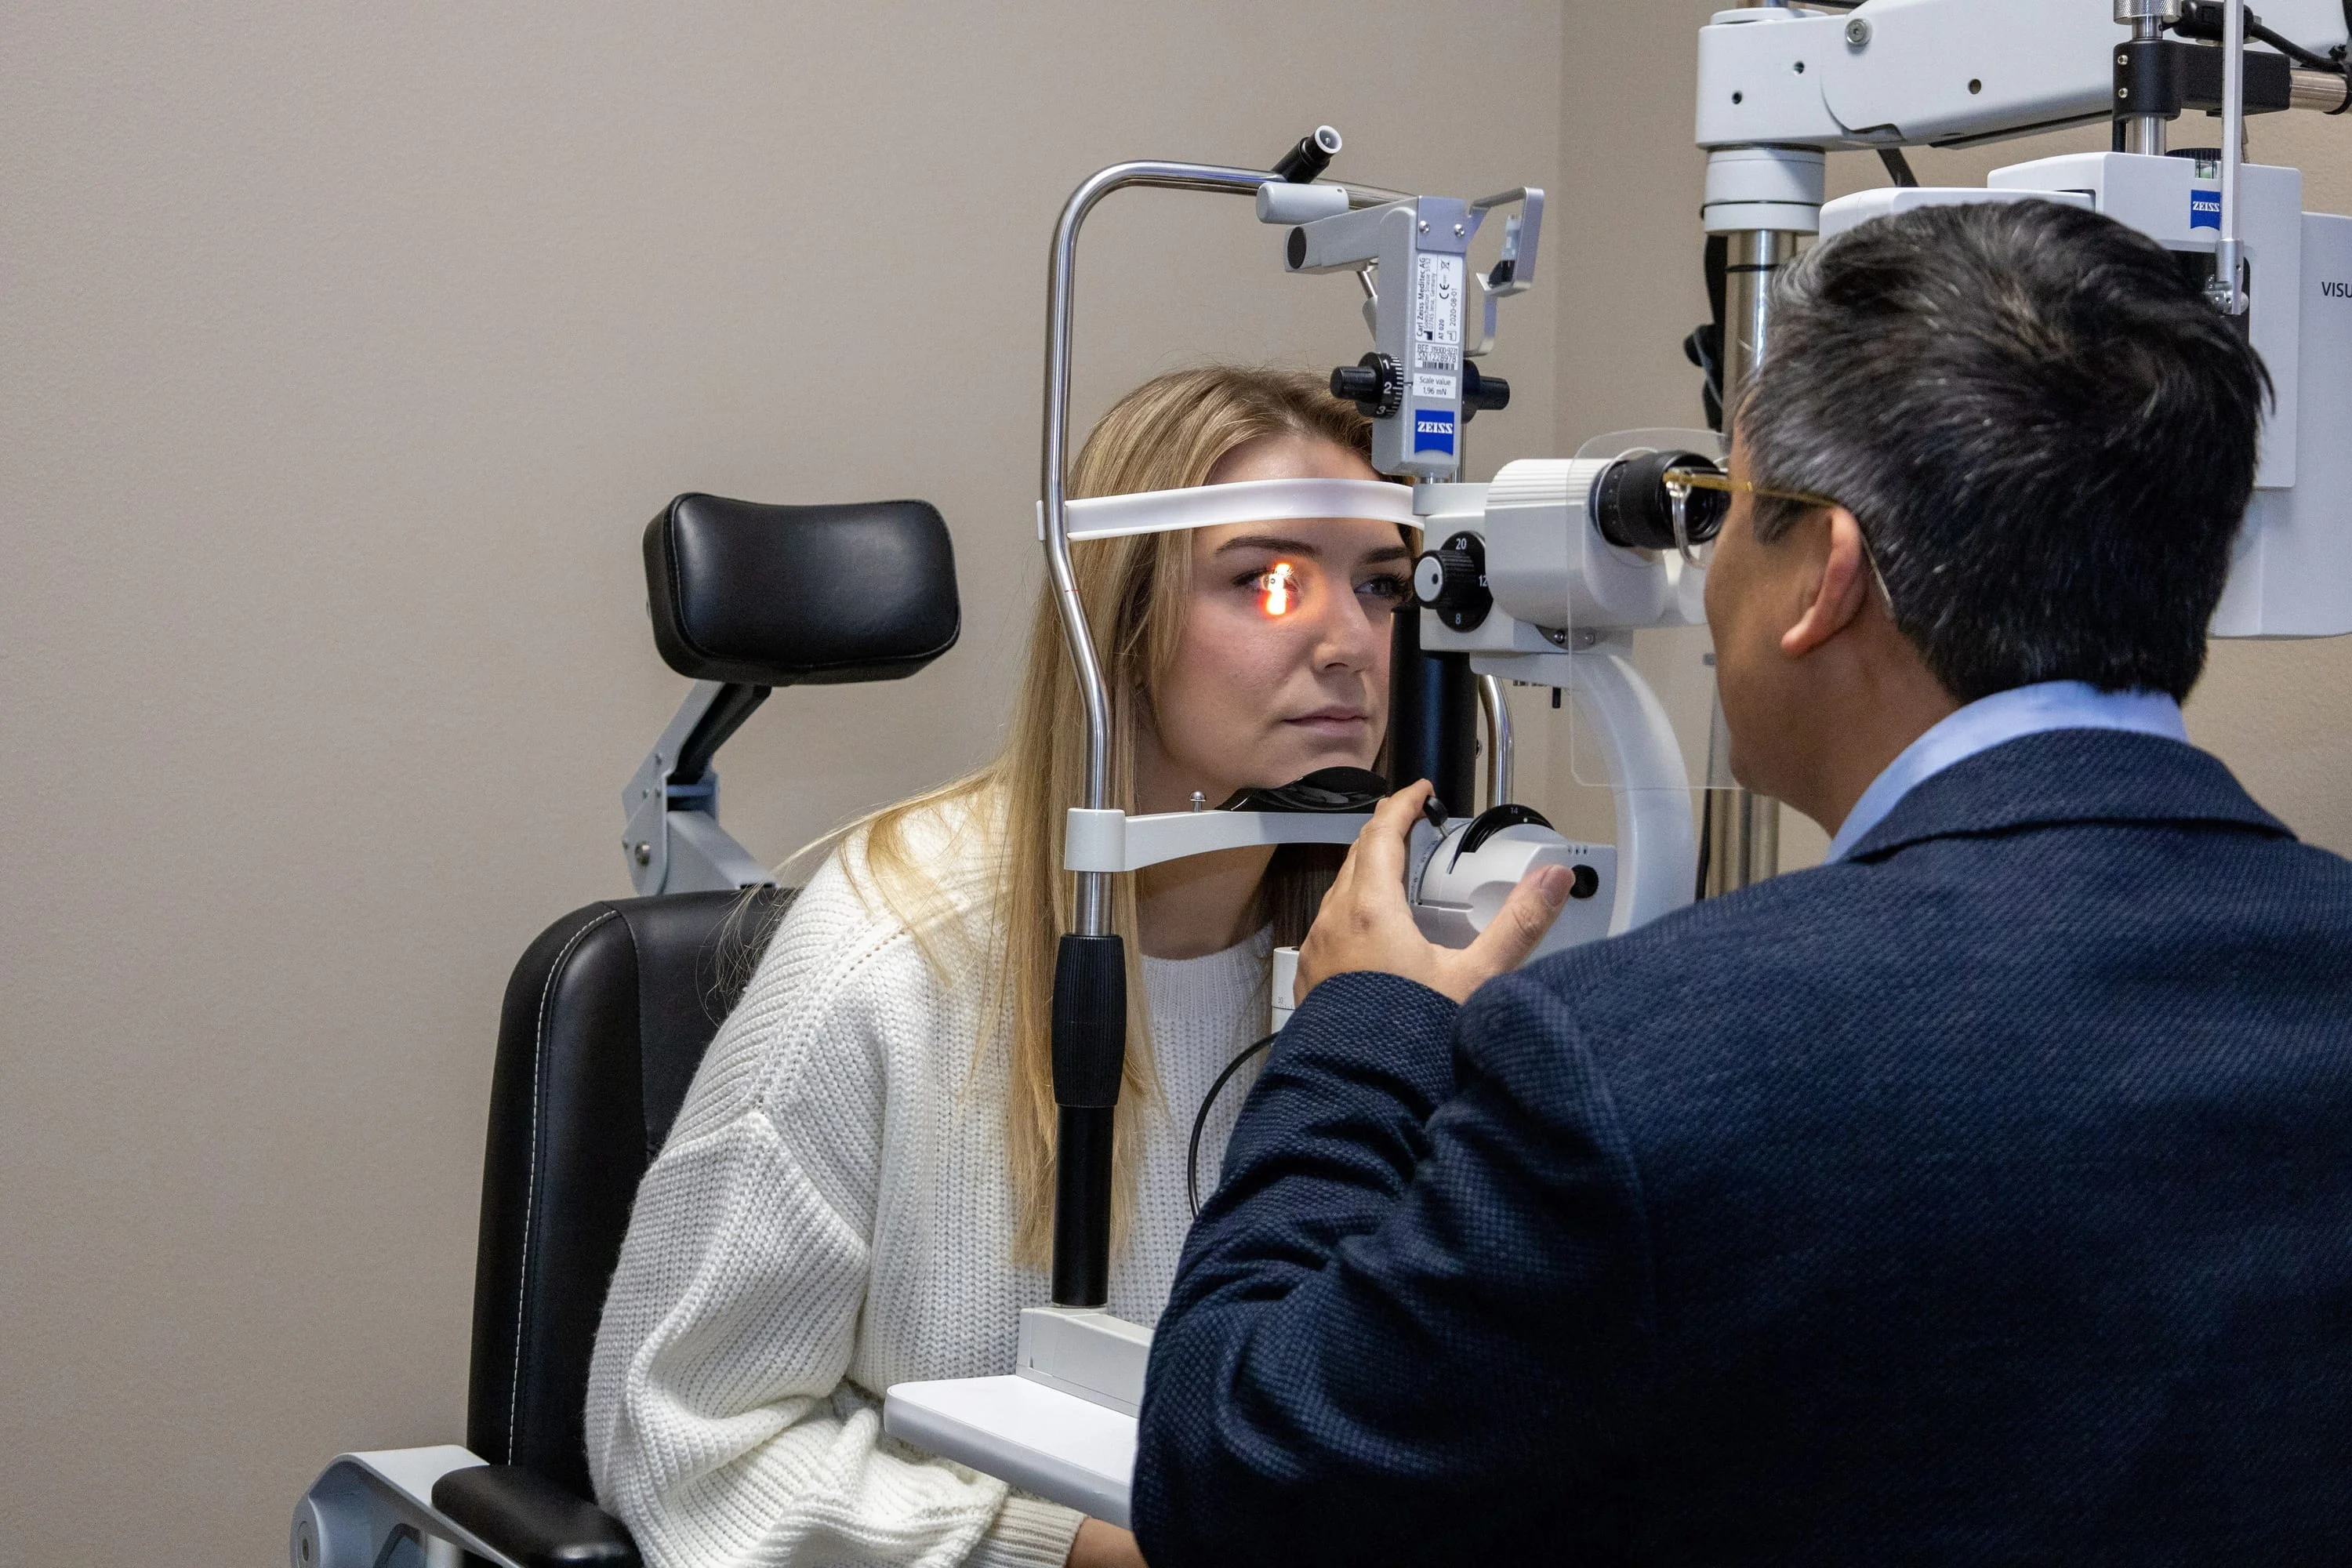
pixel 858 1190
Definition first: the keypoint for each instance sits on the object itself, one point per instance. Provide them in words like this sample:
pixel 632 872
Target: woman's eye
pixel 1276 588
pixel 1388 587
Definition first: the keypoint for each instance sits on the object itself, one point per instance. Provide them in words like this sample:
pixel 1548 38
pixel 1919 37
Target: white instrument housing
pixel 1461 893
pixel 1918 73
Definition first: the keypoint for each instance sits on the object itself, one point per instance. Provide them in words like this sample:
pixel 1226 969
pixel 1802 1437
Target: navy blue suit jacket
pixel 1984 1198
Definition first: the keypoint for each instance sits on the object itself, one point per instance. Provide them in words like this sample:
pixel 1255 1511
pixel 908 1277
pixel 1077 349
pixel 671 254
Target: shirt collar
pixel 1992 721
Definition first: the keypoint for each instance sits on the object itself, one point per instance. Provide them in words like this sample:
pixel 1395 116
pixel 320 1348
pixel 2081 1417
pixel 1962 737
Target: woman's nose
pixel 1346 636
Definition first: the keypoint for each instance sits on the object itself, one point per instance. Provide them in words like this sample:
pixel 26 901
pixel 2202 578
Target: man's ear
pixel 1841 592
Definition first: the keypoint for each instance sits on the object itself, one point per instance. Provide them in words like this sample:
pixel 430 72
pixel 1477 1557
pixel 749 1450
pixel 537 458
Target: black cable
pixel 1201 1120
pixel 2204 22
pixel 2311 58
pixel 2332 60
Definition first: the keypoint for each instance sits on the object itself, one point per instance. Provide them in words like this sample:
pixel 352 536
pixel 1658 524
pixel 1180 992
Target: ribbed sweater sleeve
pixel 721 1425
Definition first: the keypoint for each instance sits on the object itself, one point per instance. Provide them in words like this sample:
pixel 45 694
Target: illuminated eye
pixel 1278 588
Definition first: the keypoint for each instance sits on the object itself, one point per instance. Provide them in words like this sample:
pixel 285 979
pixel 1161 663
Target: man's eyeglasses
pixel 1709 479
pixel 1689 480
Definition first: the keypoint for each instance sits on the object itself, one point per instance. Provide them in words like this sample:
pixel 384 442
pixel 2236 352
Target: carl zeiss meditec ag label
pixel 1437 298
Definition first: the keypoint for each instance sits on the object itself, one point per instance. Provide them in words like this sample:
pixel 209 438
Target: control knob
pixel 1451 580
pixel 1371 383
pixel 1482 390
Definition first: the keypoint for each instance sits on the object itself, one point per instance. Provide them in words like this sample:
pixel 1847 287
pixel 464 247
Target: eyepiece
pixel 1307 161
pixel 1633 509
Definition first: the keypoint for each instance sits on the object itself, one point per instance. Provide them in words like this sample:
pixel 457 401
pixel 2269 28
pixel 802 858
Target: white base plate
pixel 1056 1445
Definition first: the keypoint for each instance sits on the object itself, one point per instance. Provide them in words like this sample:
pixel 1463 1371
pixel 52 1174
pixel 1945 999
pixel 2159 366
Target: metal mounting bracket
pixel 673 842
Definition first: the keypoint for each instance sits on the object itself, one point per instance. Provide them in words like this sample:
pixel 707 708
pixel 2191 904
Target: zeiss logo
pixel 1433 432
pixel 2205 209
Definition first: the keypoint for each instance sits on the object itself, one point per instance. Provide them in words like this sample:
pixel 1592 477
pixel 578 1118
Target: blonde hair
pixel 1167 434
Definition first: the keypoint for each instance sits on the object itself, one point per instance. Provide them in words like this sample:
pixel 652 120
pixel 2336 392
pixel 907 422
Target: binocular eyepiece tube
pixel 1635 505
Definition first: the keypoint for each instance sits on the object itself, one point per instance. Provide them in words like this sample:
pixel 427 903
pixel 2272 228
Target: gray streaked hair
pixel 2046 432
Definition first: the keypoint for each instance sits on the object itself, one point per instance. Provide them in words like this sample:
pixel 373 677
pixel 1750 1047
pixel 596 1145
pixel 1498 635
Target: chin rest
pixel 785 596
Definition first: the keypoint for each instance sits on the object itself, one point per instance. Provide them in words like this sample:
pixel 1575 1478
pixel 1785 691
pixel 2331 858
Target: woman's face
pixel 1283 667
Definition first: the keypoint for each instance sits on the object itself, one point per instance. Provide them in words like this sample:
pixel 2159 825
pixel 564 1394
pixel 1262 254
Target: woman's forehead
pixel 1290 455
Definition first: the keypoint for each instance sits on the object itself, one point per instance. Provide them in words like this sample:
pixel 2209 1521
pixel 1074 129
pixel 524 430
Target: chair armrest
pixel 533 1520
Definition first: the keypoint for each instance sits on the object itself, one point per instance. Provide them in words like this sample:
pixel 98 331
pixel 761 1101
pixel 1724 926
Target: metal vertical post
pixel 1743 829
pixel 2145 134
pixel 2228 286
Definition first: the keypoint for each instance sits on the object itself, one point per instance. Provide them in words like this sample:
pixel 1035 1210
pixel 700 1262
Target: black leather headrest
pixel 782 595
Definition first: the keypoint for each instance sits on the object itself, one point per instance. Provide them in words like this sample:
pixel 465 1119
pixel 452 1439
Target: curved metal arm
pixel 1093 904
pixel 1500 784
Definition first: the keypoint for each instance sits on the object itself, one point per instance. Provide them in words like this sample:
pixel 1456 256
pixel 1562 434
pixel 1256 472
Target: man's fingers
pixel 1380 847
pixel 1336 894
pixel 1361 916
pixel 1522 922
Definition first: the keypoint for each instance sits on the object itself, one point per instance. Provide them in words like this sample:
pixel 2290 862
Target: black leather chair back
pixel 608 1014
pixel 606 1019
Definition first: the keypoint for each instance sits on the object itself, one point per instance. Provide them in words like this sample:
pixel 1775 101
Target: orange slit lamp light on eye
pixel 1278 589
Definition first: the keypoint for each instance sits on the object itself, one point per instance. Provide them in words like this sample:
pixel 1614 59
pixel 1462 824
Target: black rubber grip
pixel 1083 1176
pixel 1090 1021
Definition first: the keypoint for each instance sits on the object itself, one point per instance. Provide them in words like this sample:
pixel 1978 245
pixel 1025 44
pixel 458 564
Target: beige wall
pixel 348 349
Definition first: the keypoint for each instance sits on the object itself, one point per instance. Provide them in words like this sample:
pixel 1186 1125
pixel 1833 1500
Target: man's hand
pixel 1100 1545
pixel 1365 922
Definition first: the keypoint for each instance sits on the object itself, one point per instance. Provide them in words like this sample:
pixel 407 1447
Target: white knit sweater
pixel 830 1215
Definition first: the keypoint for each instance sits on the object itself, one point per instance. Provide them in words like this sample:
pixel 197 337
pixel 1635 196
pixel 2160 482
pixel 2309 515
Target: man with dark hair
pixel 1983 1194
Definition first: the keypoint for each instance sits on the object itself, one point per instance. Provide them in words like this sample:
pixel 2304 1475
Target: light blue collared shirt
pixel 2004 716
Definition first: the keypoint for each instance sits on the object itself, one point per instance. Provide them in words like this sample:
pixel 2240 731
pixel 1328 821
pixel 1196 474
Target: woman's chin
pixel 1295 761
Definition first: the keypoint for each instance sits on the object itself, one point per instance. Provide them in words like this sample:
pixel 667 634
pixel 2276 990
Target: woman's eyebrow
pixel 1269 542
pixel 1302 547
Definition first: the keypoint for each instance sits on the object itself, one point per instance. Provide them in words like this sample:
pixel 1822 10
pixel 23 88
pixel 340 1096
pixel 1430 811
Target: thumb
pixel 1522 922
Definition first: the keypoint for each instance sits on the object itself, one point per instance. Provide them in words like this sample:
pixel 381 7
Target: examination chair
pixel 607 1016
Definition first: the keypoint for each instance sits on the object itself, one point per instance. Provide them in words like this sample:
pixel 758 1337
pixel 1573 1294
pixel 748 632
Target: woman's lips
pixel 1343 723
